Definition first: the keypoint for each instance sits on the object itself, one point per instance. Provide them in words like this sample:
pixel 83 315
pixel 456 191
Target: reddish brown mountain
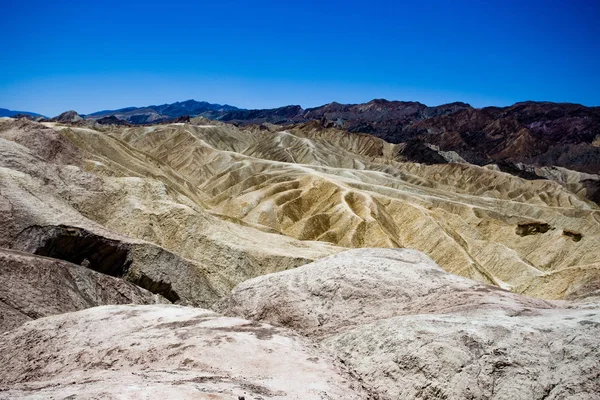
pixel 534 133
pixel 538 133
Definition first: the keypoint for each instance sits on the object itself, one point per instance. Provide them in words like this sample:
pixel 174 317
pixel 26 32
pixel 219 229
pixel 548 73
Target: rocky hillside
pixel 229 204
pixel 536 134
pixel 335 266
pixel 542 134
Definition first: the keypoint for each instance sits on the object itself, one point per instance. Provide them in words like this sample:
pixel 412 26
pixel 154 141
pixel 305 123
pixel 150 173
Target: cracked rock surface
pixel 413 331
pixel 165 352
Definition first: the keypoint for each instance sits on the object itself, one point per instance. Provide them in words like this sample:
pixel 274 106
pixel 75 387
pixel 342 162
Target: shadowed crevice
pixel 78 246
pixel 154 286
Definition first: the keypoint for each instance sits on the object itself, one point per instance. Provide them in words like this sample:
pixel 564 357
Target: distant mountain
pixel 537 133
pixel 10 113
pixel 532 133
pixel 372 117
pixel 68 117
pixel 164 112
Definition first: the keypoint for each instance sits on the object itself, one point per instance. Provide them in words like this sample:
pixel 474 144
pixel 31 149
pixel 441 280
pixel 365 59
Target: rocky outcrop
pixel 413 331
pixel 575 236
pixel 35 287
pixel 163 351
pixel 112 120
pixel 143 264
pixel 532 228
pixel 68 117
pixel 361 286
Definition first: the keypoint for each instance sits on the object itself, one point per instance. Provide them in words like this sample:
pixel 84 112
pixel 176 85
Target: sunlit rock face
pixel 197 208
pixel 348 267
pixel 168 352
pixel 413 331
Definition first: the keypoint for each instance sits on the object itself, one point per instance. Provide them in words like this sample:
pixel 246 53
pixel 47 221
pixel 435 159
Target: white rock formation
pixel 413 331
pixel 165 352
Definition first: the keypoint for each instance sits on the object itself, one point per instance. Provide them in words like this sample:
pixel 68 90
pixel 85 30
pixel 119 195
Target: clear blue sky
pixel 83 55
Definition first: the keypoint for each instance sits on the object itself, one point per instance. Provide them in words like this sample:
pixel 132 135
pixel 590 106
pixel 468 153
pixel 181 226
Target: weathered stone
pixel 413 331
pixel 165 352
pixel 35 287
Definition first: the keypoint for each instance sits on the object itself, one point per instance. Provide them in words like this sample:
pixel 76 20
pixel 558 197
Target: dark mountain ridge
pixel 4 112
pixel 533 133
pixel 536 133
pixel 163 112
pixel 545 134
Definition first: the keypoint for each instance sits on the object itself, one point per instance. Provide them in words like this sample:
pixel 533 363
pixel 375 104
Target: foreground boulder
pixel 360 286
pixel 551 355
pixel 35 287
pixel 165 352
pixel 413 331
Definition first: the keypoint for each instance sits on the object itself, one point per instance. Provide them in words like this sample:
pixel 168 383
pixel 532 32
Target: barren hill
pixel 236 203
pixel 307 228
pixel 536 133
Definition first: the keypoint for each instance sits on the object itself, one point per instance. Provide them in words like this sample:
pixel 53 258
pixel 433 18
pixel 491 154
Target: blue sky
pixel 89 56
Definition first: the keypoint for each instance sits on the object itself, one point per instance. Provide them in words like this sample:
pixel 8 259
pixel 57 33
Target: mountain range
pixel 194 257
pixel 152 114
pixel 517 139
pixel 10 113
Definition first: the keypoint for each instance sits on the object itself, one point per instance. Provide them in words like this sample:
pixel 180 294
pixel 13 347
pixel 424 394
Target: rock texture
pixel 147 352
pixel 191 208
pixel 225 204
pixel 35 287
pixel 68 117
pixel 126 218
pixel 413 331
